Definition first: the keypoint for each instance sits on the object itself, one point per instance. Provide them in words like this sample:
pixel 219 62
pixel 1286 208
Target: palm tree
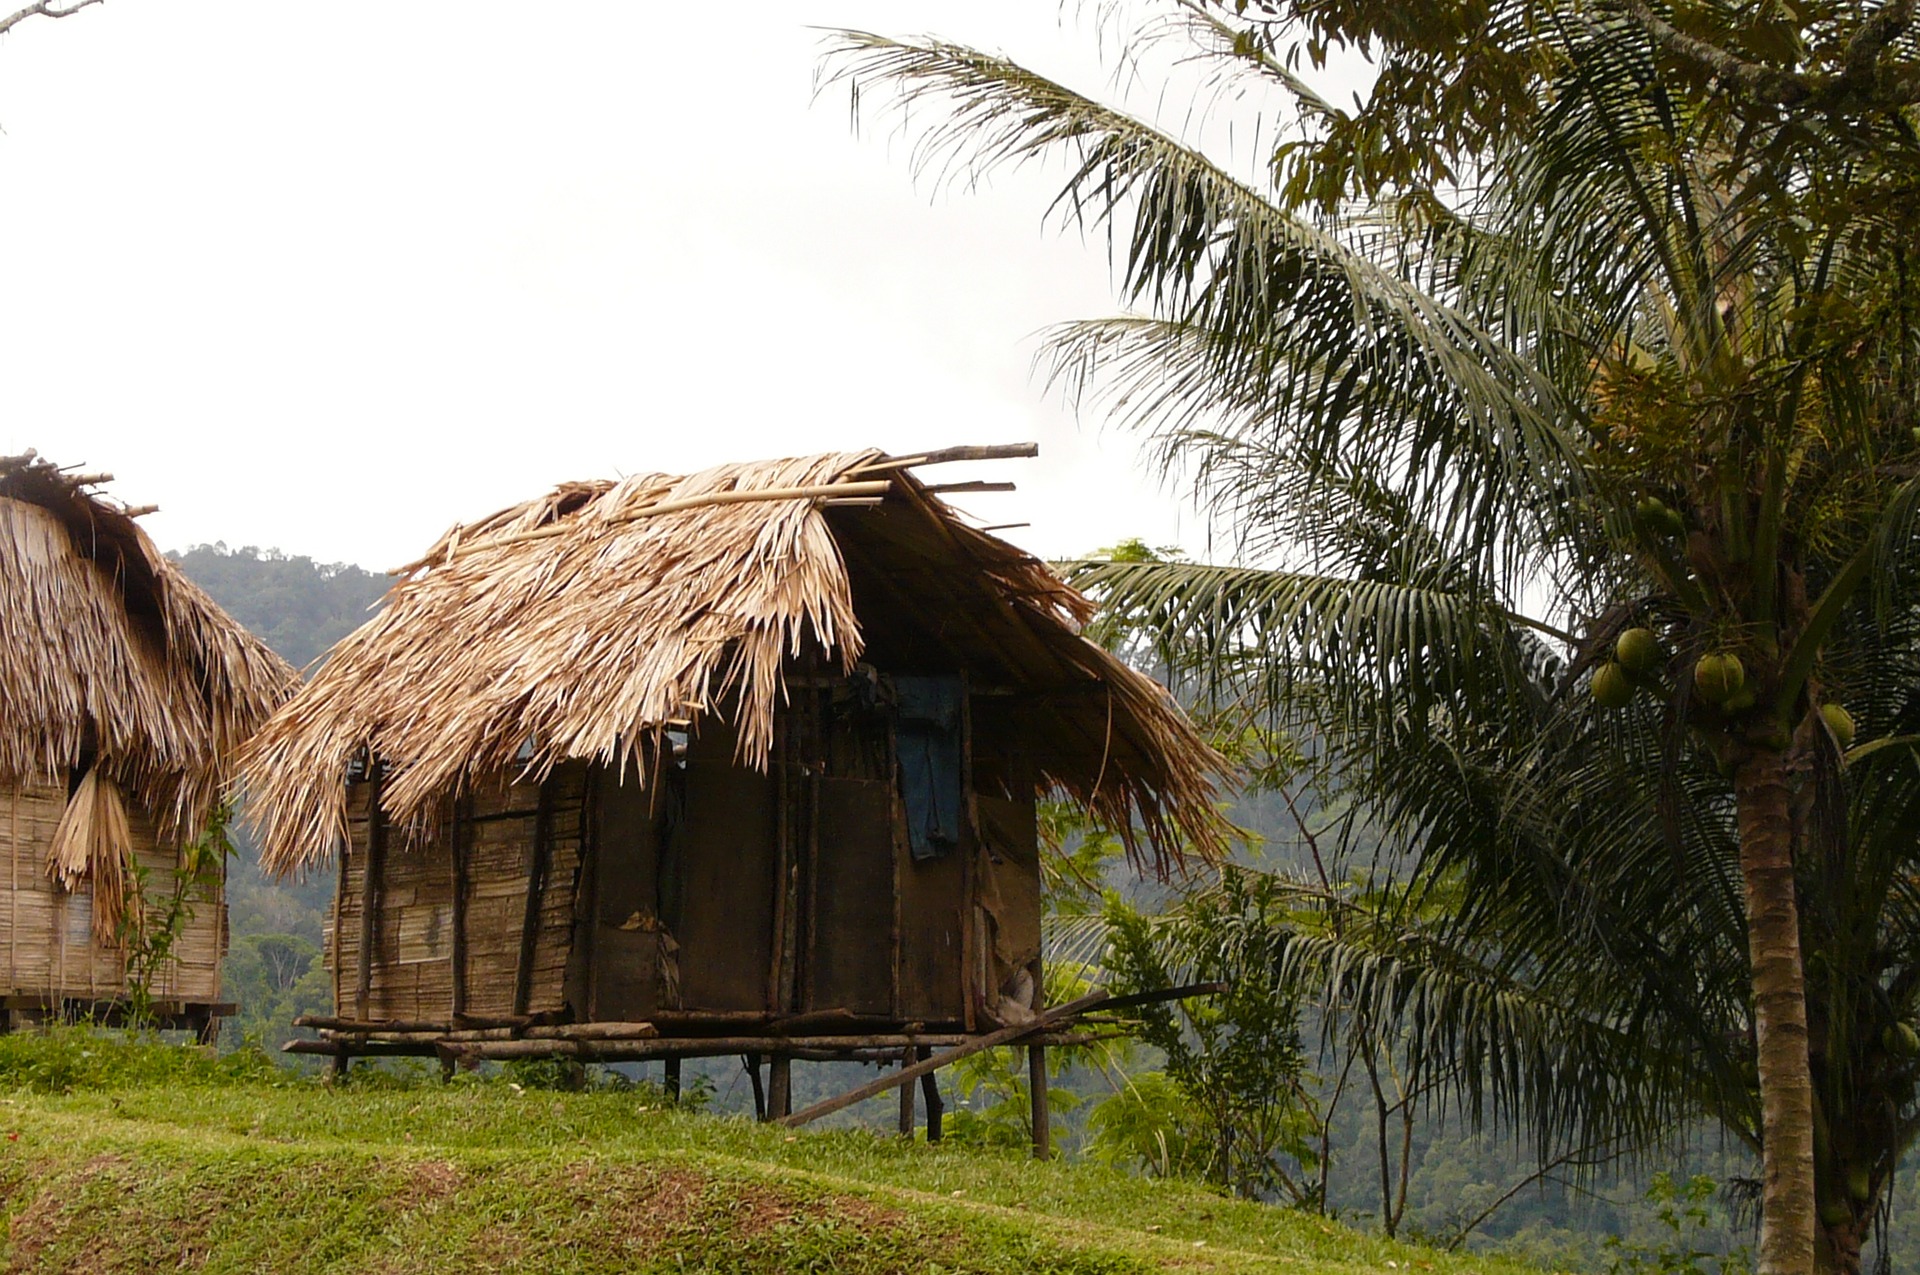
pixel 1642 360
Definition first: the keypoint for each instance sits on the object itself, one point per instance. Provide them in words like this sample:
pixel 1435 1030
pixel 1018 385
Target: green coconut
pixel 1743 699
pixel 1901 1040
pixel 1719 676
pixel 1859 1182
pixel 1638 650
pixel 1611 686
pixel 1840 722
pixel 1835 1213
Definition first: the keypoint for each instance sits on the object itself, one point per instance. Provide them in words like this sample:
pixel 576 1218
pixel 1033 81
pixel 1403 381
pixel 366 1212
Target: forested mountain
pixel 298 606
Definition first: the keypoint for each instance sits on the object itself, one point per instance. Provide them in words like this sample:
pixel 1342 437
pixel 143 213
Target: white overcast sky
pixel 330 277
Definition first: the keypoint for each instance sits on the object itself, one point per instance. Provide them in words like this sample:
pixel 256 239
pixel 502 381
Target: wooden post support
pixel 752 1063
pixel 907 1059
pixel 779 1086
pixel 370 889
pixel 670 1079
pixel 1037 1090
pixel 337 1066
pixel 536 896
pixel 930 1091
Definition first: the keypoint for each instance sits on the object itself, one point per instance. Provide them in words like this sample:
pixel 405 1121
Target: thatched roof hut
pixel 759 635
pixel 128 691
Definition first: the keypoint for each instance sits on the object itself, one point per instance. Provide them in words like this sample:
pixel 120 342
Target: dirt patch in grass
pixel 49 1212
pixel 430 1181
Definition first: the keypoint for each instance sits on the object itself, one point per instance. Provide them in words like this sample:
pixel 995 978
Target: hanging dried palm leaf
pixel 94 844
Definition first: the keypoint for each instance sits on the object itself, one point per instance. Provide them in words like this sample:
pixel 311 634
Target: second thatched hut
pixel 127 691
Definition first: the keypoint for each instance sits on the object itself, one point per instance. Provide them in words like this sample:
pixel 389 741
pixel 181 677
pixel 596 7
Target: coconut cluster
pixel 1719 679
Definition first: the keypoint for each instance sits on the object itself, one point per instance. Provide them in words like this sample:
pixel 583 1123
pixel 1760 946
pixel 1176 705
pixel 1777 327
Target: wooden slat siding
pixel 370 901
pixel 969 847
pixel 412 949
pixel 13 889
pixel 330 936
pixel 577 979
pixel 900 851
pixel 536 892
pixel 780 986
pixel 462 818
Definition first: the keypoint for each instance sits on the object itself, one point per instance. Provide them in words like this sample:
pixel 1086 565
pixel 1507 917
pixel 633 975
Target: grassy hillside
pixel 116 1159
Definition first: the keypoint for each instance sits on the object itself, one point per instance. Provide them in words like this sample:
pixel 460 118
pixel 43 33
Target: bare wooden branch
pixel 1004 1036
pixel 1763 83
pixel 44 9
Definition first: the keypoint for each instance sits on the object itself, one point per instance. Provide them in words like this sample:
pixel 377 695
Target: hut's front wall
pixel 705 891
pixel 46 933
pixel 498 840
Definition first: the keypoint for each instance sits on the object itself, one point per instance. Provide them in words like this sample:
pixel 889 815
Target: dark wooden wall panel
pixel 931 947
pixel 850 964
pixel 725 854
pixel 628 937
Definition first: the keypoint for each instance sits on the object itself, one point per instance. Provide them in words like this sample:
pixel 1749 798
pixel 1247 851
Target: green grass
pixel 144 1158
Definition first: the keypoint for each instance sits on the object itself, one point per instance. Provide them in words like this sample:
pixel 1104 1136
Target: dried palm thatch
pixel 112 660
pixel 583 623
pixel 94 841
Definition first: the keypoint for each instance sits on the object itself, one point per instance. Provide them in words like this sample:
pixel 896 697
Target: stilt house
pixel 127 691
pixel 743 761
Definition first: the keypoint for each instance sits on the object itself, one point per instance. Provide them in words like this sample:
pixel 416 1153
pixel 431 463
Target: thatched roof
pixel 582 623
pixel 109 653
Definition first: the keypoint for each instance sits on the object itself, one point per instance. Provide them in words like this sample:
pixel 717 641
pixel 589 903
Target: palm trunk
pixel 1787 1208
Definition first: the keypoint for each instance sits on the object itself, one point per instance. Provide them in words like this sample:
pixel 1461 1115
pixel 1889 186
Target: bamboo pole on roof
pixel 847 491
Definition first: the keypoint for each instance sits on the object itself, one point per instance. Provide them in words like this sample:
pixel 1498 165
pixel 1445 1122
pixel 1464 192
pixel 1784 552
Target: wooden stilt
pixel 670 1079
pixel 930 1091
pixel 752 1063
pixel 337 1066
pixel 906 1097
pixel 779 1087
pixel 1037 1089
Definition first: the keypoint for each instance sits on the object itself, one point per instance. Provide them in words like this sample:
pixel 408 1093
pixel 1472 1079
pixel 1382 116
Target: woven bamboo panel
pixel 46 934
pixel 412 974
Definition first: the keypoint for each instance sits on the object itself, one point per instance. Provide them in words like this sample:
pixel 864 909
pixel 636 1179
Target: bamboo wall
pixel 46 934
pixel 437 952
